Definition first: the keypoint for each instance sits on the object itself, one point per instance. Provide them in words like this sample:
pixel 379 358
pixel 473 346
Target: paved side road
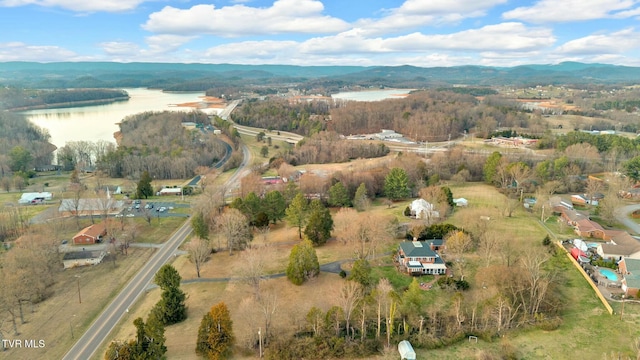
pixel 622 215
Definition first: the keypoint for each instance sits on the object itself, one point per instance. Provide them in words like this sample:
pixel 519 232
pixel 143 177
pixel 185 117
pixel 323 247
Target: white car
pixel 131 215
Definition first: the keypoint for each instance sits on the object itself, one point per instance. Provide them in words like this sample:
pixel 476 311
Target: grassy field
pixel 587 328
pixel 61 319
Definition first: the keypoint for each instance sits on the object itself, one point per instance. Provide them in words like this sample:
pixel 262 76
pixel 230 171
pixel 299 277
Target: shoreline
pixel 71 104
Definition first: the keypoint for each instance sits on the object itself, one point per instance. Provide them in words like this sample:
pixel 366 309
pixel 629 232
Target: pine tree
pixel 275 205
pixel 338 195
pixel 171 308
pixel 361 200
pixel 200 227
pixel 319 225
pixel 215 335
pixel 396 184
pixel 144 186
pixel 297 213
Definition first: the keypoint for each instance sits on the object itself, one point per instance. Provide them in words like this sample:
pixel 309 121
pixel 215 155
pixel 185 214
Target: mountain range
pixel 113 74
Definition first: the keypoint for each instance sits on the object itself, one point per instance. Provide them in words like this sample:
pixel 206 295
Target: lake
pixel 99 122
pixel 372 95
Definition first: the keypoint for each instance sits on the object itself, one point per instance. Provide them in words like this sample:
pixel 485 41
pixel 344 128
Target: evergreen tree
pixel 361 200
pixel 338 195
pixel 448 196
pixel 290 192
pixel 144 186
pixel 171 308
pixel 319 225
pixel 200 227
pixel 361 273
pixel 490 168
pixel 215 335
pixel 303 263
pixel 275 205
pixel 297 213
pixel 149 342
pixel 396 184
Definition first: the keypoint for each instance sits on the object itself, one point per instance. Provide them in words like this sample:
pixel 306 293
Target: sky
pixel 423 33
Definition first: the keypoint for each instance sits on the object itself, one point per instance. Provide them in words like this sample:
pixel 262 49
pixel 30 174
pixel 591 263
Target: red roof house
pixel 90 235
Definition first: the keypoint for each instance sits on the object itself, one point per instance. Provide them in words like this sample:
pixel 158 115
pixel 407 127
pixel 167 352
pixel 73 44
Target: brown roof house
pixel 90 235
pixel 620 246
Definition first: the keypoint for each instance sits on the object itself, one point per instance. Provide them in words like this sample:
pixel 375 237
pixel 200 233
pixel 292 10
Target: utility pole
pixel 260 341
pixel 79 296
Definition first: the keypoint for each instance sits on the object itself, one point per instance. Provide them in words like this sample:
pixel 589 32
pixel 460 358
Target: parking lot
pixel 142 208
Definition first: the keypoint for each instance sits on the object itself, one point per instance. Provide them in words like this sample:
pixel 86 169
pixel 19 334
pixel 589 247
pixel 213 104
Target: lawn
pixel 587 328
pixel 61 319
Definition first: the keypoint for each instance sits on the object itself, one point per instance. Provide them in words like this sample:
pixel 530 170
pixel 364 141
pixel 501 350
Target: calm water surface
pixel 372 95
pixel 99 122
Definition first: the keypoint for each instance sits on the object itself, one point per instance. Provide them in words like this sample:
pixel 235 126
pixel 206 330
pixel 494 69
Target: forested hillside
pixel 16 98
pixel 158 143
pixel 23 145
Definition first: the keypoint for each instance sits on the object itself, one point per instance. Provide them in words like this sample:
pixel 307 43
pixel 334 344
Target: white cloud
pixel 253 50
pixel 78 5
pixel 545 11
pixel 418 13
pixel 284 16
pixel 500 37
pixel 613 43
pixel 116 48
pixel 447 6
pixel 18 51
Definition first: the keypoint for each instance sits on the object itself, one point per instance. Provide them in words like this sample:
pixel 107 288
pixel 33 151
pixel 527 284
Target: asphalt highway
pixel 96 334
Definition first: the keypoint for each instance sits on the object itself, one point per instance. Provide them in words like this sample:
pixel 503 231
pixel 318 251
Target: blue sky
pixel 323 32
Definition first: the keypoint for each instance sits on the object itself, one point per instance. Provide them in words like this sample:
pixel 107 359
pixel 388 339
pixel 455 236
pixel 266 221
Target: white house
pixel 35 197
pixel 422 209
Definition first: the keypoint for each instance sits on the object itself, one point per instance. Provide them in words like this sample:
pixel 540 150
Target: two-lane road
pixel 102 326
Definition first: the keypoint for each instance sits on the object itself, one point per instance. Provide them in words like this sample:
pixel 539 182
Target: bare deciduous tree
pixel 349 295
pixel 362 234
pixel 234 226
pixel 199 251
pixel 252 270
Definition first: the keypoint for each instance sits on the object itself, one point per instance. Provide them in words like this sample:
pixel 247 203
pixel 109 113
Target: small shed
pixel 461 202
pixel 406 350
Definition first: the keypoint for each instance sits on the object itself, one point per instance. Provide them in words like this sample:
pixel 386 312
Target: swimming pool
pixel 609 274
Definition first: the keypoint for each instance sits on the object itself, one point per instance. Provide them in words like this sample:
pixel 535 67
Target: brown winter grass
pixel 55 319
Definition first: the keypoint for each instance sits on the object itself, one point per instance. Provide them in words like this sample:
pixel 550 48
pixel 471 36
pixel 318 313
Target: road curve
pixel 93 337
pixel 622 215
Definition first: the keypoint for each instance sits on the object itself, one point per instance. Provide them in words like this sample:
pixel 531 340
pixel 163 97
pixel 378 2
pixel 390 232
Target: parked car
pixel 64 242
pixel 162 209
pixel 148 206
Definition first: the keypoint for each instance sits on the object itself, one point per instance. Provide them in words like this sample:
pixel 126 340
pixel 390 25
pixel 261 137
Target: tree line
pixel 13 98
pixel 157 142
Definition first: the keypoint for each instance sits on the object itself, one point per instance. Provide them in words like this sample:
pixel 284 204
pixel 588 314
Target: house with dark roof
pixel 82 258
pixel 418 258
pixel 90 235
pixel 630 271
